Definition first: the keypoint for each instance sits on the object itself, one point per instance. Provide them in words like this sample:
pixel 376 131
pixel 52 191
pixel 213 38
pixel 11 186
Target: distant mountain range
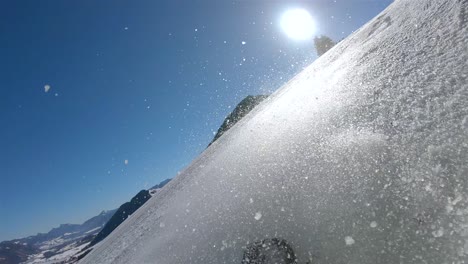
pixel 53 242
pixel 70 242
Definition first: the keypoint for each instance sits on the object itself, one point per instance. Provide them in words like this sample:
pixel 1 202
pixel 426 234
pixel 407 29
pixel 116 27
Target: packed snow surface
pixel 361 158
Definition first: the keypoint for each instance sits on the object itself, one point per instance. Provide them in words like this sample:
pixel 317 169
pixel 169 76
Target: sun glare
pixel 298 24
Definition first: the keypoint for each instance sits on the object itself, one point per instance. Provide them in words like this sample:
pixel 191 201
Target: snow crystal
pixel 349 241
pixel 126 162
pixel 243 42
pixel 258 216
pixel 46 88
pixel 373 224
pixel 251 200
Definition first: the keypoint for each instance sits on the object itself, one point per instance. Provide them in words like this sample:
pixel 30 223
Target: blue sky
pixel 143 81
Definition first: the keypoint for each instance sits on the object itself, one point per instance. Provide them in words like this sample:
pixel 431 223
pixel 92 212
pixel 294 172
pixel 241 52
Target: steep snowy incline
pixel 361 158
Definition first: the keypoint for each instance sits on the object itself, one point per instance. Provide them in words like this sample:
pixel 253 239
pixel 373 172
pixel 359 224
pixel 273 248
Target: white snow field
pixel 361 158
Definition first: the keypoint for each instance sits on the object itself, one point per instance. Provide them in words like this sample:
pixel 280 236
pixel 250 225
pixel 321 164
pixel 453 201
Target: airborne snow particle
pixel 258 216
pixel 349 240
pixel 243 42
pixel 162 224
pixel 46 88
pixel 373 224
pixel 126 162
pixel 438 233
pixel 251 200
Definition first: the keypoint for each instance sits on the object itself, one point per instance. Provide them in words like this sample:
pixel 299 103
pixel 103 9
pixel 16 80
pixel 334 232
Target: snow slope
pixel 361 158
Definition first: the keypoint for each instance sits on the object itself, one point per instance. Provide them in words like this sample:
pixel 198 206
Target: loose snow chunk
pixel 373 224
pixel 251 200
pixel 258 216
pixel 46 88
pixel 349 241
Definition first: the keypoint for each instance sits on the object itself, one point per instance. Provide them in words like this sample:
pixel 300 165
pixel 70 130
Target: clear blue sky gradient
pixel 143 81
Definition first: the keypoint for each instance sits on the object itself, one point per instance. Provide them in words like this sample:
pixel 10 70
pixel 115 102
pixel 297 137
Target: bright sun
pixel 298 24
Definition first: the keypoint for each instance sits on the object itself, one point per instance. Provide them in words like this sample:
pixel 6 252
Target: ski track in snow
pixel 374 131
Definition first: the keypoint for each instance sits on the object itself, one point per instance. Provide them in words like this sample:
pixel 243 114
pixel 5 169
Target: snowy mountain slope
pixel 361 158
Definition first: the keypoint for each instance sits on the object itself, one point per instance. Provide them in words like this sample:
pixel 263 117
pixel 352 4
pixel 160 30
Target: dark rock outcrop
pixel 241 110
pixel 124 211
pixel 161 184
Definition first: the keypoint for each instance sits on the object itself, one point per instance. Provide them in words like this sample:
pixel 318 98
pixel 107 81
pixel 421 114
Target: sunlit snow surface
pixel 361 158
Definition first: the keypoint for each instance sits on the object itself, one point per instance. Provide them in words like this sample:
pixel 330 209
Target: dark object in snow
pixel 269 251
